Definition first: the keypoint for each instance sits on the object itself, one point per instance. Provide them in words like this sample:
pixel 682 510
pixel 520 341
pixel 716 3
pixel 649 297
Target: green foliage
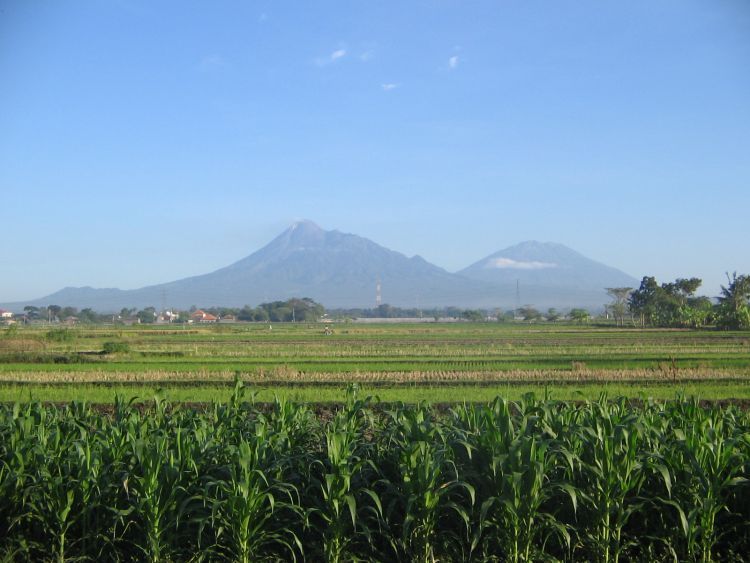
pixel 526 481
pixel 529 313
pixel 734 303
pixel 670 304
pixel 147 315
pixel 171 484
pixel 579 315
pixel 473 315
pixel 60 335
pixel 115 347
pixel 619 305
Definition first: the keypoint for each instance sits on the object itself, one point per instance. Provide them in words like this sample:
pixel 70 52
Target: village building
pixel 167 317
pixel 200 316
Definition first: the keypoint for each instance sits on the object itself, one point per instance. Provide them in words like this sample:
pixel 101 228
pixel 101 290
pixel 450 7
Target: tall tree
pixel 54 311
pixel 619 305
pixel 642 302
pixel 734 303
pixel 669 304
pixel 579 315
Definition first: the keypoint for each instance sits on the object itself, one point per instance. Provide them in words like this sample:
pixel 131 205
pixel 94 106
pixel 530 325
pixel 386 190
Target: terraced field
pixel 439 362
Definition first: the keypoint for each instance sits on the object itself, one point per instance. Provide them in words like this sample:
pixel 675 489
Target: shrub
pixel 115 347
pixel 60 335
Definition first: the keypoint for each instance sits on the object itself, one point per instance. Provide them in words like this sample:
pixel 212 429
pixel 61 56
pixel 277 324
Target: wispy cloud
pixel 453 62
pixel 367 56
pixel 389 86
pixel 212 62
pixel 336 55
pixel 510 264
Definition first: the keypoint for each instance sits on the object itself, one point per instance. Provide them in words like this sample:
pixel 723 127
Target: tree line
pixel 675 304
pixel 295 309
pixel 671 304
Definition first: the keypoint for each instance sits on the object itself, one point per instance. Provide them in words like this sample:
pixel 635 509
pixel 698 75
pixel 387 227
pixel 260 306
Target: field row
pixel 324 393
pixel 381 356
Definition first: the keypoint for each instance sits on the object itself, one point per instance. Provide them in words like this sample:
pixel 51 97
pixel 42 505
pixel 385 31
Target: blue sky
pixel 142 142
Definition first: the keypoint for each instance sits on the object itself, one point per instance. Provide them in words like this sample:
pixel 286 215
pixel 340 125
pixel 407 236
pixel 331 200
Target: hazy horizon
pixel 142 143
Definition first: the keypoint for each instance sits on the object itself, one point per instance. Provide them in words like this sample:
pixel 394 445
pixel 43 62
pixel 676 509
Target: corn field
pixel 536 480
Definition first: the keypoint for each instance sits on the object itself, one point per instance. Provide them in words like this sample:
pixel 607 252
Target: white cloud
pixel 510 264
pixel 332 58
pixel 453 62
pixel 367 56
pixel 388 87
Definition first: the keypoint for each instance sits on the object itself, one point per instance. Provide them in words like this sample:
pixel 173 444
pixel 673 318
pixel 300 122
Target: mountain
pixel 546 272
pixel 334 268
pixel 343 270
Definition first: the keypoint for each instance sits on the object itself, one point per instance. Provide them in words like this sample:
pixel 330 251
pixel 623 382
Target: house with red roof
pixel 200 316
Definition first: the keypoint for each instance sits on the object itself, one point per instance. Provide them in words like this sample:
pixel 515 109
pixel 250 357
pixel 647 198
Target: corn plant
pixel 163 456
pixel 514 472
pixel 423 487
pixel 612 472
pixel 348 507
pixel 706 465
pixel 248 508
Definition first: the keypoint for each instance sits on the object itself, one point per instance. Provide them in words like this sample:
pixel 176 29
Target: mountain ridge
pixel 342 270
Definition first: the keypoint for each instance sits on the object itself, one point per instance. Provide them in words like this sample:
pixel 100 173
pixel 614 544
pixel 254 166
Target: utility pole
pixel 378 297
pixel 518 294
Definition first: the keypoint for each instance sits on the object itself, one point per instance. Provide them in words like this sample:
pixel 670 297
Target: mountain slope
pixel 334 268
pixel 342 270
pixel 542 270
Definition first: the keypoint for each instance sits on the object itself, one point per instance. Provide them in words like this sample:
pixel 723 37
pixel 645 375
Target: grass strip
pixel 93 393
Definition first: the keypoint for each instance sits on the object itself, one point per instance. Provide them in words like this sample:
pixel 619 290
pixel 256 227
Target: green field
pixel 440 362
pixel 294 462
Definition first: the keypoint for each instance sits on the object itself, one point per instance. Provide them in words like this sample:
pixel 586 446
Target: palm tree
pixel 734 303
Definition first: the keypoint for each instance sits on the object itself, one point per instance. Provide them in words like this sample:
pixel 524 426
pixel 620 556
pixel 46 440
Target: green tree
pixel 734 303
pixel 619 305
pixel 88 315
pixel 147 315
pixel 54 311
pixel 643 301
pixel 668 304
pixel 529 313
pixel 579 315
pixel 31 311
pixel 473 315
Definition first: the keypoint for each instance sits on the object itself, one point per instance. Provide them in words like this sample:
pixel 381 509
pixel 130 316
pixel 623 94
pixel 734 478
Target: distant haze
pixel 345 270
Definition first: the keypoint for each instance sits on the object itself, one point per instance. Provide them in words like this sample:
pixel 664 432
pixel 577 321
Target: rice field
pixel 435 361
